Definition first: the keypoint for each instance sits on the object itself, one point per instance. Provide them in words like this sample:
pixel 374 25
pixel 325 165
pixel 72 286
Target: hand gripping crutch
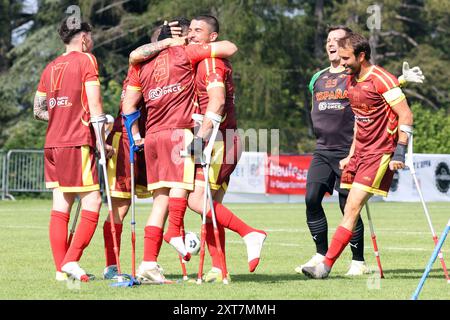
pixel 433 257
pixel 410 163
pixel 99 126
pixel 129 119
pixel 374 240
pixel 74 223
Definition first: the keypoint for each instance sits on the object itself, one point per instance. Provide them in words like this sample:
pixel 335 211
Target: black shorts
pixel 324 168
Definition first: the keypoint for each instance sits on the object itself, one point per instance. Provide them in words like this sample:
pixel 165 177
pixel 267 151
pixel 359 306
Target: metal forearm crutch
pixel 433 257
pixel 374 240
pixel 410 163
pixel 99 122
pixel 74 223
pixel 129 119
pixel 205 163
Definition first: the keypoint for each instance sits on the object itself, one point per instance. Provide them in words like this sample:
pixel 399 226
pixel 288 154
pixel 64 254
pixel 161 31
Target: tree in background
pixel 281 45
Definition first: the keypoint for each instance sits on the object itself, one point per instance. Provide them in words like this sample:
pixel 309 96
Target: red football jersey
pixel 215 72
pixel 63 83
pixel 371 99
pixel 168 88
pixel 118 122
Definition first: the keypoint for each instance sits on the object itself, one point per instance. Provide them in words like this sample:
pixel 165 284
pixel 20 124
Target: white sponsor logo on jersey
pixel 330 106
pixel 158 92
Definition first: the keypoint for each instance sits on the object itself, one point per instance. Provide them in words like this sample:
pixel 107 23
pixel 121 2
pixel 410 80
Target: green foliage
pixel 275 62
pixel 431 130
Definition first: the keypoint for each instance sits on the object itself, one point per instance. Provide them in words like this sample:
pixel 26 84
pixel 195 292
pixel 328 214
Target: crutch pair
pixel 410 164
pixel 205 162
pixel 123 280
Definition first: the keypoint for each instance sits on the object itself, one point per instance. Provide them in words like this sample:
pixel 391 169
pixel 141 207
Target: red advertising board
pixel 287 174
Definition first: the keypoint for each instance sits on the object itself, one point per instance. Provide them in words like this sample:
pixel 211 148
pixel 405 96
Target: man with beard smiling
pixel 382 123
pixel 333 123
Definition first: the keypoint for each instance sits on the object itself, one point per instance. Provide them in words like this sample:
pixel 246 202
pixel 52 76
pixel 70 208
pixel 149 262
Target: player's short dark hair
pixel 340 27
pixel 358 42
pixel 210 20
pixel 70 27
pixel 184 23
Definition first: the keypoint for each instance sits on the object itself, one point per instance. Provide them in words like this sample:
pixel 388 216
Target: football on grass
pixel 192 242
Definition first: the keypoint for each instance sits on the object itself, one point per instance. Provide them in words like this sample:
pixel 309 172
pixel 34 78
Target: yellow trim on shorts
pixel 120 194
pixel 141 193
pixel 94 187
pixel 41 94
pixel 170 184
pixel 345 186
pixel 52 185
pixel 201 183
pixel 384 164
pixel 216 159
pixel 369 189
pixel 86 166
pixel 112 163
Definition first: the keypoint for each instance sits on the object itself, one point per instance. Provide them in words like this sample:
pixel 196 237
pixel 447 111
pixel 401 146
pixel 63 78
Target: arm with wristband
pixel 405 122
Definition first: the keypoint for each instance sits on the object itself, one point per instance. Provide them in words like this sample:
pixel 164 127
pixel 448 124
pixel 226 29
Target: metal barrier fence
pixel 2 174
pixel 23 171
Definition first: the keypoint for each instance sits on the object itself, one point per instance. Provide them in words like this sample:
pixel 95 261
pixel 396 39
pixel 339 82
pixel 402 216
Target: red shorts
pixel 165 167
pixel 225 155
pixel 370 173
pixel 119 174
pixel 71 169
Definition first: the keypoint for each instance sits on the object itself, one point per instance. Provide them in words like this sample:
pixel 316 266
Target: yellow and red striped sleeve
pixel 215 73
pixel 90 70
pixel 134 83
pixel 387 85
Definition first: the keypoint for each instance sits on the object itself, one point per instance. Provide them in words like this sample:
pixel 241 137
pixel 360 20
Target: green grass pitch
pixel 404 239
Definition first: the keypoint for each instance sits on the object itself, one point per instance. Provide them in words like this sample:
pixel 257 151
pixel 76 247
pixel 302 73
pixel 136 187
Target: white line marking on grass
pixel 394 231
pixel 284 244
pixel 22 227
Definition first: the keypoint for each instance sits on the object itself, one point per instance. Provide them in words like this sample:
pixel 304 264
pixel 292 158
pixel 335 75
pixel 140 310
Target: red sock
pixel 109 242
pixel 227 219
pixel 82 236
pixel 152 242
pixel 177 209
pixel 58 236
pixel 211 242
pixel 340 240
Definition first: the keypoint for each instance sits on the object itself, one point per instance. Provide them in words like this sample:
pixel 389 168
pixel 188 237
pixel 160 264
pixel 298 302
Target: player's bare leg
pixel 120 209
pixel 149 271
pixel 355 201
pixel 177 210
pixel 90 203
pixel 215 274
pixel 253 238
pixel 58 229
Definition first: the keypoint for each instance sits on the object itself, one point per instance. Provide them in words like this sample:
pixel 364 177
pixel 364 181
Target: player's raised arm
pixel 149 50
pixel 224 49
